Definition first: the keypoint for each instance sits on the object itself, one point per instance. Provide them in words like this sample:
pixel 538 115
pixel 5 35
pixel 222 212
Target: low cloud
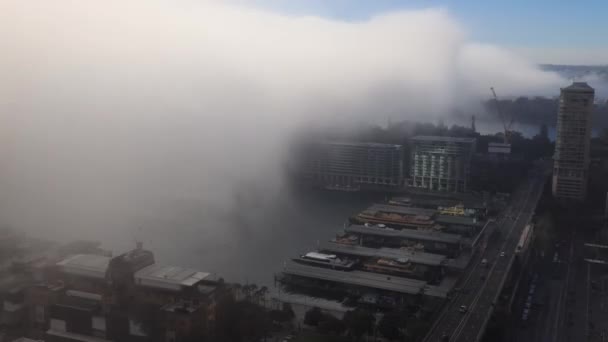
pixel 115 114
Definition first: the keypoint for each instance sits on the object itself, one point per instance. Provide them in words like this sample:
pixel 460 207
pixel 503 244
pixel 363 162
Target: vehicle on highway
pixel 484 262
pixel 463 309
pixel 502 254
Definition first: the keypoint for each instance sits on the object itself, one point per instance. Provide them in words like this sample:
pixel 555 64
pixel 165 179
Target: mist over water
pixel 167 120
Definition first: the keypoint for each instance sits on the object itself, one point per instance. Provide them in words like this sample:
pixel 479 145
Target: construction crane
pixel 506 126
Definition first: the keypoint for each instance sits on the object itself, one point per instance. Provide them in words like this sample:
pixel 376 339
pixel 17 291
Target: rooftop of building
pixel 86 265
pixel 458 220
pixel 359 144
pixel 171 278
pixel 419 235
pixel 70 336
pixel 361 278
pixel 433 201
pixel 412 256
pixel 81 303
pixel 443 138
pixel 309 301
pixel 579 86
pixel 402 210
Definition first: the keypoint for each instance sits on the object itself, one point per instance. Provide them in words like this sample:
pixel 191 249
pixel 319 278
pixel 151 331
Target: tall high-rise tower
pixel 571 158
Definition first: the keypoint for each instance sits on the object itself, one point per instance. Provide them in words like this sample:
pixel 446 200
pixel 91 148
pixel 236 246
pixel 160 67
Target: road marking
pixel 465 319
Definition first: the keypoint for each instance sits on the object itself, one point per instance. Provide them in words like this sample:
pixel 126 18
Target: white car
pixel 502 254
pixel 463 309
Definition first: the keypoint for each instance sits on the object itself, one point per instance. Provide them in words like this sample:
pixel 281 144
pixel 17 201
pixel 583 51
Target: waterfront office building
pixel 441 164
pixel 347 165
pixel 571 158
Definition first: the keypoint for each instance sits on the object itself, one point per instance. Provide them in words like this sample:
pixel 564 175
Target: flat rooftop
pixel 86 265
pixel 459 220
pixel 438 201
pixel 412 234
pixel 69 336
pixel 402 210
pixel 421 258
pixel 360 278
pixel 443 139
pixel 579 86
pixel 443 289
pixel 172 278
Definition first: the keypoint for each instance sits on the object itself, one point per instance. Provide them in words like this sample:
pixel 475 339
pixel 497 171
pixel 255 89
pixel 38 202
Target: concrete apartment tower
pixel 571 158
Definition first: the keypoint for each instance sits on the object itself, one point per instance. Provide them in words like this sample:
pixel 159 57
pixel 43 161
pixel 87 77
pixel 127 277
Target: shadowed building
pixel 351 166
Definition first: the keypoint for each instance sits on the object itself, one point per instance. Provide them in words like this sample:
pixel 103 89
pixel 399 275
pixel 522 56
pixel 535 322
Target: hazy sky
pixel 119 114
pixel 547 31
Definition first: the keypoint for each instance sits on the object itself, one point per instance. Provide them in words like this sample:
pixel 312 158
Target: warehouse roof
pixel 402 210
pixel 415 257
pixel 86 265
pixel 170 277
pixel 359 278
pixel 420 235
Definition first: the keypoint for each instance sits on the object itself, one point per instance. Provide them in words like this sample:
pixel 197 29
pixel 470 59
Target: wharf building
pixel 404 262
pixel 466 207
pixel 350 166
pixel 436 242
pixel 441 164
pixel 571 158
pixel 445 219
pixel 382 276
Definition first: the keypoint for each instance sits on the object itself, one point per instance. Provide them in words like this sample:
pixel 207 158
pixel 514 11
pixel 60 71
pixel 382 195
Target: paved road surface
pixel 483 284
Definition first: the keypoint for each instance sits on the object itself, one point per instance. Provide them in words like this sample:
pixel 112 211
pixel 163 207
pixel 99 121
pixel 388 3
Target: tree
pixel 288 310
pixel 239 321
pixel 331 325
pixel 148 317
pixel 313 316
pixel 416 329
pixel 260 295
pixel 392 325
pixel 544 132
pixel 284 315
pixel 359 322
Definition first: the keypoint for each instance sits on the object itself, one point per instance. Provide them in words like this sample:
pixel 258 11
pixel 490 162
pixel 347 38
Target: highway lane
pixel 473 325
pixel 451 323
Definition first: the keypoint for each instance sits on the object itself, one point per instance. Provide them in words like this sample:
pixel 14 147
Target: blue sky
pixel 541 28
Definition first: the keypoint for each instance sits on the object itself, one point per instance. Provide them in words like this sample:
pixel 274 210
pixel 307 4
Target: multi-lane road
pixel 483 283
pixel 572 293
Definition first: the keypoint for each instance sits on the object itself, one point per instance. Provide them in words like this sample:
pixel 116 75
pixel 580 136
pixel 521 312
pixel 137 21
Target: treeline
pixel 540 110
pixel 400 133
pixel 357 323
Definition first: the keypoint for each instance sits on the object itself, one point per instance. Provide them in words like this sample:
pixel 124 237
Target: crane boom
pixel 507 128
